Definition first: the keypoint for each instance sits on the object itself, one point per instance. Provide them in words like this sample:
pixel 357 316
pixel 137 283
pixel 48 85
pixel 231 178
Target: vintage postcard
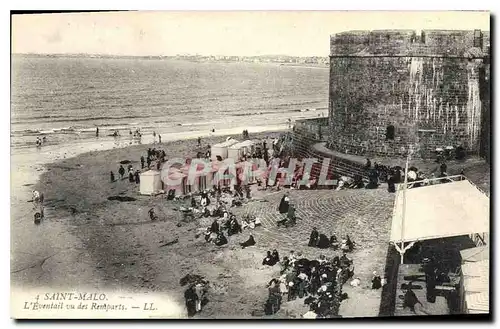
pixel 250 165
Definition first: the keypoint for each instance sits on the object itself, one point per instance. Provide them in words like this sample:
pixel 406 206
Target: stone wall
pixel 310 131
pixel 308 142
pixel 430 86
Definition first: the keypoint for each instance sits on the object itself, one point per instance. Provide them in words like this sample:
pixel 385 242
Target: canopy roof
pixel 442 210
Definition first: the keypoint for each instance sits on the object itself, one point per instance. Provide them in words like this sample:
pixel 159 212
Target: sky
pixel 150 33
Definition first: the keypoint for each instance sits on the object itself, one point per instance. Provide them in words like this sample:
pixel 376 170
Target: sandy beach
pixel 103 244
pixel 90 242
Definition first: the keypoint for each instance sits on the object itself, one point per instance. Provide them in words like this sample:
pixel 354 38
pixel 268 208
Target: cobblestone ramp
pixel 363 214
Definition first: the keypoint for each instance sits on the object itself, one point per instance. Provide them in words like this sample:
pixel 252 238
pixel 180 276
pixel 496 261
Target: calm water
pixel 65 99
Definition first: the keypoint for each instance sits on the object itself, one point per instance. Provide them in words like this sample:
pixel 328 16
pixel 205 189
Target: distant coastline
pixel 313 61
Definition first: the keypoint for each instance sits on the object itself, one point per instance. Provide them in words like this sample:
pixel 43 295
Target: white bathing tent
pixel 150 182
pixel 199 180
pixel 237 151
pixel 174 180
pixel 438 211
pixel 221 149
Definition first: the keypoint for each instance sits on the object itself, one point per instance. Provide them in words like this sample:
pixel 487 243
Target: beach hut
pixel 176 181
pixel 237 151
pixel 474 287
pixel 151 182
pixel 201 181
pixel 221 149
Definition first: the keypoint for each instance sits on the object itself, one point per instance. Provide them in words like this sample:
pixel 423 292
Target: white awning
pixel 442 210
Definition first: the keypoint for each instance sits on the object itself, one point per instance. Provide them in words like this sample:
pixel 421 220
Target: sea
pixel 65 99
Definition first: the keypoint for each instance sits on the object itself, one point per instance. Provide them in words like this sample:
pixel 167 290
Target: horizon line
pixel 201 55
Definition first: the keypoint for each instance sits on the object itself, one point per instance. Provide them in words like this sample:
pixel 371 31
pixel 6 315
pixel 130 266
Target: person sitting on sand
pixel 292 258
pixel 376 281
pixel 323 242
pixel 248 243
pixel 336 261
pixel 347 245
pixel 215 226
pixel 111 176
pixel 121 171
pixel 220 240
pixel 205 200
pixel 313 238
pixel 284 265
pixel 152 214
pixel 275 255
pixel 234 226
pixel 334 243
pixel 208 235
pixel 268 260
pixel 345 261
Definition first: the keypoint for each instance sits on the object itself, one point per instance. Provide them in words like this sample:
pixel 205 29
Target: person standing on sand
pixel 159 138
pixel 131 176
pixel 284 204
pixel 121 171
pixel 142 162
pixel 190 299
pixel 199 141
pixel 97 132
pixel 112 176
pixel 154 136
pixel 137 177
pixel 199 291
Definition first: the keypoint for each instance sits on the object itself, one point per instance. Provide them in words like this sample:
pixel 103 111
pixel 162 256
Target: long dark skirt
pixel 191 307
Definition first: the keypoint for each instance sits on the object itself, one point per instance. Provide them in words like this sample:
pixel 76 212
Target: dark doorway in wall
pixel 389 133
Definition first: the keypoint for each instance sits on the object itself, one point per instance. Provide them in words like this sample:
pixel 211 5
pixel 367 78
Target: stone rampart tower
pixel 393 88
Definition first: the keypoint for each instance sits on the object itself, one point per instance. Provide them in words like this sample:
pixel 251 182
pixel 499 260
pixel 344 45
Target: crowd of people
pixel 396 175
pixel 321 241
pixel 319 282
